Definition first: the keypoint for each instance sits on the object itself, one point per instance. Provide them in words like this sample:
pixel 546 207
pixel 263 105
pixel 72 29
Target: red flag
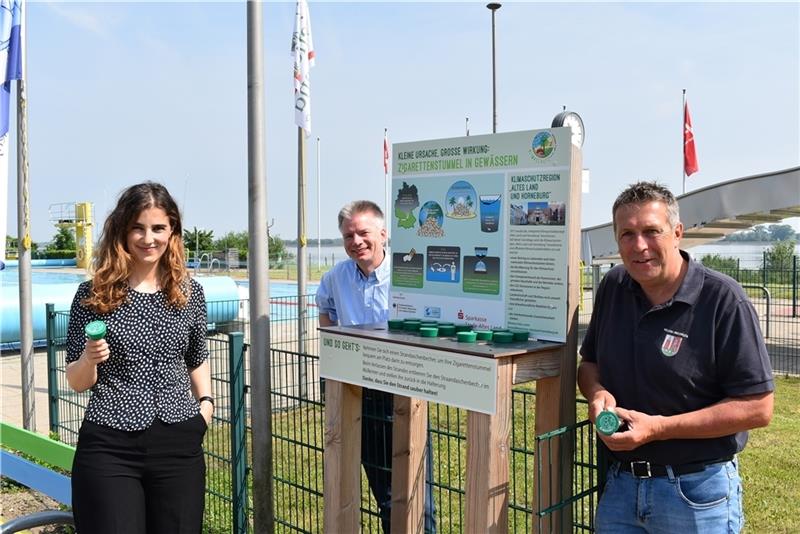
pixel 689 154
pixel 385 153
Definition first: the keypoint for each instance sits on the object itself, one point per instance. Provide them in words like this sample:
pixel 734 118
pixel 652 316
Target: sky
pixel 119 93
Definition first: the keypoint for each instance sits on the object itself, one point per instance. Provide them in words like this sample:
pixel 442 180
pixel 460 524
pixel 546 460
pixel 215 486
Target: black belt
pixel 642 469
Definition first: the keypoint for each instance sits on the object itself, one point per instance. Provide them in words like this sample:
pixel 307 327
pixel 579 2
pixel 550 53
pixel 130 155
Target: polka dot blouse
pixel 153 347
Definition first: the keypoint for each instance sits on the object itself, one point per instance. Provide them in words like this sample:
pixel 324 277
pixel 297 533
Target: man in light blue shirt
pixel 356 291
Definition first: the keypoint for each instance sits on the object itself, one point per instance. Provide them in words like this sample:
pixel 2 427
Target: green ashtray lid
pixel 95 330
pixel 412 320
pixel 520 335
pixel 466 337
pixel 463 328
pixel 429 324
pixel 502 337
pixel 411 326
pixel 428 331
pixel 395 324
pixel 447 330
pixel 496 330
pixel 607 422
pixel 484 335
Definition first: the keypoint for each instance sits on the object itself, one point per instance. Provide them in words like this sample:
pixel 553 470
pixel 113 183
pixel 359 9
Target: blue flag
pixel 10 64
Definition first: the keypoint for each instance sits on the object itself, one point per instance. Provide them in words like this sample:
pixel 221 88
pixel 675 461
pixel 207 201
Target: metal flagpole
pixel 386 177
pixel 319 203
pixel 258 266
pixel 301 242
pixel 24 242
pixel 494 7
pixel 683 140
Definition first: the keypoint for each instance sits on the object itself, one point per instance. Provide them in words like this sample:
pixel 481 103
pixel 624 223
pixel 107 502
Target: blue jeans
pixel 709 502
pixel 377 409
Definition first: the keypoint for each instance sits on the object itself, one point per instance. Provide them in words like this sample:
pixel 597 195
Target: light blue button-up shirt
pixel 350 298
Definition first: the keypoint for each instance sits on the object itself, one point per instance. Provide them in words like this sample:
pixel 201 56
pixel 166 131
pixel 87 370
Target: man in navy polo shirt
pixel 676 350
pixel 356 291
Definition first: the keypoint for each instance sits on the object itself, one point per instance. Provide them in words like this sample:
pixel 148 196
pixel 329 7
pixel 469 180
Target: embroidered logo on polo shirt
pixel 672 342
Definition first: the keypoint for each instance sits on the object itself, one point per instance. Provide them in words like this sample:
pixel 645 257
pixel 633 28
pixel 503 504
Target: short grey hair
pixel 357 207
pixel 642 192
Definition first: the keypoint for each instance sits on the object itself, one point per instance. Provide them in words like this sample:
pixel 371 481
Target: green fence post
pixel 794 286
pixel 52 379
pixel 238 442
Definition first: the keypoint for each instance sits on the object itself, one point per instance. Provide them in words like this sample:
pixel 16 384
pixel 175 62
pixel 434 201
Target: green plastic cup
pixel 483 335
pixel 446 330
pixel 607 422
pixel 411 325
pixel 95 330
pixel 395 324
pixel 520 335
pixel 503 336
pixel 466 337
pixel 428 331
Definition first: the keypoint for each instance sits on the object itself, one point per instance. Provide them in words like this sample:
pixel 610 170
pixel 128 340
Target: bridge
pixel 711 213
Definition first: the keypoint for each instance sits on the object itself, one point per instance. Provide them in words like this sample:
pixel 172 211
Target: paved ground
pixel 11 392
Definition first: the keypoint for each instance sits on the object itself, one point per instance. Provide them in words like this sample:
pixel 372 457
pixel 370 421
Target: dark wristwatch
pixel 206 398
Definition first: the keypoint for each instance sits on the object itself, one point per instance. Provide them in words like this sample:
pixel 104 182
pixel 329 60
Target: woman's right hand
pixel 96 351
pixel 82 374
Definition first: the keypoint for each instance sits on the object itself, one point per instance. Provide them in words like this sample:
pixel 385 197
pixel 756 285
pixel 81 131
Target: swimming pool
pixel 54 286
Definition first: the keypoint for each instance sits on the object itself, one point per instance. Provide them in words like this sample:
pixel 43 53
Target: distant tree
pixel 277 249
pixel 781 232
pixel 772 232
pixel 198 240
pixel 720 263
pixel 64 239
pixel 12 242
pixel 779 256
pixel 237 240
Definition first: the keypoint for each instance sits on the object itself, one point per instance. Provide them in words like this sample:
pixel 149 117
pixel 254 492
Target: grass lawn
pixel 770 467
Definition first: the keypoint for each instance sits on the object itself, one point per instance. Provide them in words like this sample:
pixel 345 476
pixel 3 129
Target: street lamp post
pixel 494 7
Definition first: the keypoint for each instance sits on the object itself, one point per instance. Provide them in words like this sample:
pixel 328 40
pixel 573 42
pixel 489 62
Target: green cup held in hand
pixel 95 330
pixel 607 422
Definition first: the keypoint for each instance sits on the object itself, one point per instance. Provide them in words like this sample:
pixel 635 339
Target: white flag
pixel 303 50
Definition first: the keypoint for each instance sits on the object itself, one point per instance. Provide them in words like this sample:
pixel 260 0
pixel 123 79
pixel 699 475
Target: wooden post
pixel 488 457
pixel 555 397
pixel 342 455
pixel 408 464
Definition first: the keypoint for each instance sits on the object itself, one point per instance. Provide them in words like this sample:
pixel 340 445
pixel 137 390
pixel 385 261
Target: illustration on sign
pixel 430 220
pixel 407 201
pixel 461 200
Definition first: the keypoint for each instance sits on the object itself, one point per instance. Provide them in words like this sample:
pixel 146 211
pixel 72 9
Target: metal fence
pixel 298 435
pixel 773 290
pixel 298 419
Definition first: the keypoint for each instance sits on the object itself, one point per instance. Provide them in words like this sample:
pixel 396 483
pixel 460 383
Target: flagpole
pixel 258 268
pixel 386 181
pixel 319 202
pixel 683 140
pixel 301 243
pixel 24 242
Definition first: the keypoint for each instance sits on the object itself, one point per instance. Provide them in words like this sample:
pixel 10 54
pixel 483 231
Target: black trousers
pixel 377 416
pixel 143 482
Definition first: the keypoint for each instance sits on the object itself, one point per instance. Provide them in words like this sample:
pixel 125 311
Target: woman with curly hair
pixel 139 465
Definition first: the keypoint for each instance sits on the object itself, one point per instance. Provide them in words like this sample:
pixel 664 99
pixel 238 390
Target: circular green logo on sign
pixel 543 145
